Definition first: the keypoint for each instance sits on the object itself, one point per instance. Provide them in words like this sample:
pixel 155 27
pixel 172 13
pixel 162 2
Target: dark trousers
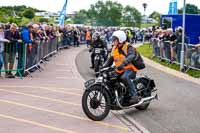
pixel 9 58
pixel 92 58
pixel 20 51
pixel 167 51
pixel 76 42
pixel 88 43
pixel 1 61
pixel 178 52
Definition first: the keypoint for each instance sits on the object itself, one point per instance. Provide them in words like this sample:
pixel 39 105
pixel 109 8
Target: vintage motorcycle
pixel 98 58
pixel 107 92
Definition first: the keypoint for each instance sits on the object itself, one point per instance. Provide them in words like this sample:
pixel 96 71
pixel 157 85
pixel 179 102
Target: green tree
pixel 14 20
pixel 3 17
pixel 7 14
pixel 106 13
pixel 19 8
pixel 190 9
pixel 131 17
pixel 80 17
pixel 29 13
pixel 6 10
pixel 157 16
pixel 43 20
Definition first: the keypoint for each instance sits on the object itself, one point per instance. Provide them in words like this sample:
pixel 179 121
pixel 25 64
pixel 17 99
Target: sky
pixel 75 5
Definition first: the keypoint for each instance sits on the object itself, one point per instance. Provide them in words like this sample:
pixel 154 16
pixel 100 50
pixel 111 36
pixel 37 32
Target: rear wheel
pixel 96 103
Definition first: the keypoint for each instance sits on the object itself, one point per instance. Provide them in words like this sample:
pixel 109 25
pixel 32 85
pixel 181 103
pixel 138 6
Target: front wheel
pixel 96 103
pixel 96 65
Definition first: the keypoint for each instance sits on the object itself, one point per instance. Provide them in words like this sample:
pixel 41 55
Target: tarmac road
pixel 176 111
pixel 50 101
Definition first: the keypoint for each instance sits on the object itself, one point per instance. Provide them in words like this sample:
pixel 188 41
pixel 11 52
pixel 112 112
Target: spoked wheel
pixel 96 66
pixel 95 103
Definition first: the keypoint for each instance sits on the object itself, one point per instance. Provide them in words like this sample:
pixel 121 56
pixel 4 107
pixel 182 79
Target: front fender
pixel 91 82
pixel 88 83
pixel 96 83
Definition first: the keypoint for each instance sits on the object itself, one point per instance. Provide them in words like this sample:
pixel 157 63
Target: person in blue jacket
pixel 25 36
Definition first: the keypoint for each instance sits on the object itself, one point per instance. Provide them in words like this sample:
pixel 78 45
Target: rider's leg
pixel 92 60
pixel 126 78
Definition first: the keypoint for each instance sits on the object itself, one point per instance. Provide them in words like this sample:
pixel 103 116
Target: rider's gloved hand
pixel 120 67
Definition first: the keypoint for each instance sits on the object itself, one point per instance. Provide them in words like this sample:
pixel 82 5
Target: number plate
pixel 89 82
pixel 97 51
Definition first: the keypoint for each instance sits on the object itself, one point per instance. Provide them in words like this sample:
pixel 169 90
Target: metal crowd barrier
pixel 32 56
pixel 172 53
pixel 193 57
pixel 13 59
pixel 22 58
pixel 26 58
pixel 39 52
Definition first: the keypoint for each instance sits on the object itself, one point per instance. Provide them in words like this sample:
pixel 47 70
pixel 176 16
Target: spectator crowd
pixel 17 41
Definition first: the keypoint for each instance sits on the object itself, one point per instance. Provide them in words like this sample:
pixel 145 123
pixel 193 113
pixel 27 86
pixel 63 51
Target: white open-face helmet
pixel 120 35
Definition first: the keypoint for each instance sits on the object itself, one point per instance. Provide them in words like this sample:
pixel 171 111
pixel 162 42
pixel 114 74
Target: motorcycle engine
pixel 140 86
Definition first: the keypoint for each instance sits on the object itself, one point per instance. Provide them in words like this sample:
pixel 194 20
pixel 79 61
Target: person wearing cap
pixel 179 42
pixel 121 56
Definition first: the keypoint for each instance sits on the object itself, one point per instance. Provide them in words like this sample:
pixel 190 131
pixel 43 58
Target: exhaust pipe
pixel 143 100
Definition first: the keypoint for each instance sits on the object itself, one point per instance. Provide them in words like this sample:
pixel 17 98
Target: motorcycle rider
pixel 97 42
pixel 122 55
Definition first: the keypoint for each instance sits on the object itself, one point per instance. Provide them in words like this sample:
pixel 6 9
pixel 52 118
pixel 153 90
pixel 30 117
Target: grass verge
pixel 146 51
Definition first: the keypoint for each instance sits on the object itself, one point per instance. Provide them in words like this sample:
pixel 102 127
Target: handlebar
pixel 106 68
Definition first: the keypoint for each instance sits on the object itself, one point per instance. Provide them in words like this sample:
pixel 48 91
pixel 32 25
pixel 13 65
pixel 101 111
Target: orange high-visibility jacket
pixel 88 36
pixel 119 58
